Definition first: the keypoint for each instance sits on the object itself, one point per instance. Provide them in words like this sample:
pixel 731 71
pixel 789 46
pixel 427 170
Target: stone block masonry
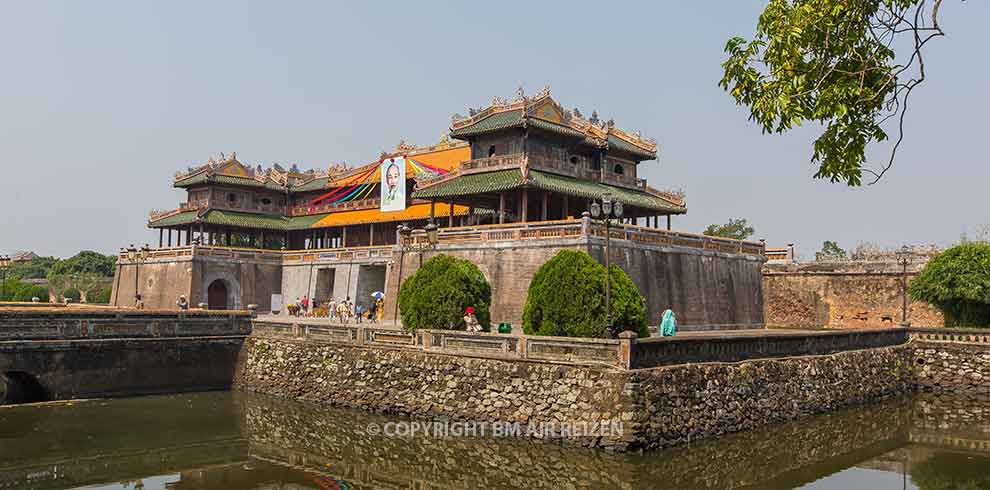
pixel 656 407
pixel 951 360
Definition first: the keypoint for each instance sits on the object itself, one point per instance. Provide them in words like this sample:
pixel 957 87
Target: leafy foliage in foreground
pixel 567 298
pixel 439 292
pixel 833 62
pixel 957 282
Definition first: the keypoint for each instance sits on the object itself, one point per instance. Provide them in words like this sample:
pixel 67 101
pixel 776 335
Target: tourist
pixel 304 304
pixel 138 302
pixel 332 309
pixel 471 321
pixel 379 309
pixel 359 312
pixel 182 302
pixel 342 311
pixel 373 312
pixel 668 325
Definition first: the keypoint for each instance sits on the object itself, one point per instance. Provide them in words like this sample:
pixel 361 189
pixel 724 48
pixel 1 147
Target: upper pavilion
pixel 520 161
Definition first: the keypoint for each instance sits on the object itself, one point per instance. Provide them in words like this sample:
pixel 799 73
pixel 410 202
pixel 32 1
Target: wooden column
pixel 343 235
pixel 161 237
pixel 262 244
pixel 170 238
pixel 501 208
pixel 566 211
pixel 543 211
pixel 433 210
pixel 668 221
pixel 371 234
pixel 470 215
pixel 451 220
pixel 523 205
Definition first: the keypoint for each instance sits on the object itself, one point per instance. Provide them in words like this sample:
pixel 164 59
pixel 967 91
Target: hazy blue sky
pixel 101 102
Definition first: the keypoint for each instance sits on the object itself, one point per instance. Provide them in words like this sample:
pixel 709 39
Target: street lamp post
pixel 136 256
pixel 406 243
pixel 606 211
pixel 903 258
pixel 4 265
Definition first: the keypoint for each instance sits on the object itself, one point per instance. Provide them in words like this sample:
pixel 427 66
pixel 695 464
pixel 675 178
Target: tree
pixel 87 261
pixel 957 282
pixel 437 295
pixel 36 268
pixel 738 229
pixel 833 62
pixel 831 251
pixel 567 298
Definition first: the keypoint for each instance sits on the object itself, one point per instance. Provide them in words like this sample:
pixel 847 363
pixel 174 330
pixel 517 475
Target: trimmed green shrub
pixel 99 296
pixel 72 294
pixel 957 282
pixel 30 291
pixel 567 298
pixel 439 292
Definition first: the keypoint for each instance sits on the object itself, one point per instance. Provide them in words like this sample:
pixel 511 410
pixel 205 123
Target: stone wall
pixel 65 353
pixel 841 295
pixel 657 407
pixel 952 360
pixel 706 288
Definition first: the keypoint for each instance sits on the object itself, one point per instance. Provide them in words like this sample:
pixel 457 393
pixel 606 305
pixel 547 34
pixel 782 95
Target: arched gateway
pixel 217 295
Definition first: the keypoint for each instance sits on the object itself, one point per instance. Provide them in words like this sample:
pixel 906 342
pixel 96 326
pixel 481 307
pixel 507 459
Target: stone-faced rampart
pixel 657 407
pixel 951 360
pixel 65 353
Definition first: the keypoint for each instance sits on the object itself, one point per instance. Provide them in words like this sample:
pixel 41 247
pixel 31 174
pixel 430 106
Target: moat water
pixel 245 441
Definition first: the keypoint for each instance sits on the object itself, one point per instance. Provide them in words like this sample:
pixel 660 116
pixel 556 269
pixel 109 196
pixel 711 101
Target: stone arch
pixel 230 282
pixel 21 387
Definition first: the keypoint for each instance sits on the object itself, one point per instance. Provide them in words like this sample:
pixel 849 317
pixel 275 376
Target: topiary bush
pixel 30 291
pixel 99 296
pixel 567 298
pixel 957 282
pixel 72 294
pixel 439 292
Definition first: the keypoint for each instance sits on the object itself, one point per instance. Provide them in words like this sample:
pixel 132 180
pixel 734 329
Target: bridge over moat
pixel 64 353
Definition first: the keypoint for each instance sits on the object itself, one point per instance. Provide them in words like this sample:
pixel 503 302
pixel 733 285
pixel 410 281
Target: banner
pixel 393 184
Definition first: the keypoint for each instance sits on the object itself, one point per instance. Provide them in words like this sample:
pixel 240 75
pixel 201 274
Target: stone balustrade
pixel 36 324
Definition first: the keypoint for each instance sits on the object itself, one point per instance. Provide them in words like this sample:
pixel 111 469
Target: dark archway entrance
pixel 21 387
pixel 216 295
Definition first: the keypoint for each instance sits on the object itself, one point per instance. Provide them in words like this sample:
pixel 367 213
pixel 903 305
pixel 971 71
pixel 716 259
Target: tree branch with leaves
pixel 834 62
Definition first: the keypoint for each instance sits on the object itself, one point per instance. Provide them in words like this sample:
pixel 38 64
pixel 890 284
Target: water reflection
pixel 243 441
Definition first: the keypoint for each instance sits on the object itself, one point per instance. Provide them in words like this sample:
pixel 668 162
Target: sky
pixel 102 102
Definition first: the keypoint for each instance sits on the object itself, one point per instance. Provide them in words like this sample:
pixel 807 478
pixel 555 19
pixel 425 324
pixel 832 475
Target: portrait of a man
pixel 393 184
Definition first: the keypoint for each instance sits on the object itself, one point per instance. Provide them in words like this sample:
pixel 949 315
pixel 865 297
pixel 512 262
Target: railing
pixel 501 162
pixel 305 209
pixel 665 351
pixel 951 335
pixel 661 237
pixel 561 350
pixel 104 323
pixel 493 233
pixel 332 254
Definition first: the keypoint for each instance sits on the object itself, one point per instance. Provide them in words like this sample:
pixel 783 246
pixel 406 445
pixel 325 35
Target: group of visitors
pixel 343 310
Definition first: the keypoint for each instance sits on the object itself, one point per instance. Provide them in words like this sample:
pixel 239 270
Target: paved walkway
pixel 761 332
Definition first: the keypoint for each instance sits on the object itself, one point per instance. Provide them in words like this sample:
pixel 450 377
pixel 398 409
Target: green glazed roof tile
pixel 182 218
pixel 503 180
pixel 493 122
pixel 619 144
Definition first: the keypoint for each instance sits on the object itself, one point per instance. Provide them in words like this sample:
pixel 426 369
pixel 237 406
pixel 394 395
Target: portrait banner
pixel 393 184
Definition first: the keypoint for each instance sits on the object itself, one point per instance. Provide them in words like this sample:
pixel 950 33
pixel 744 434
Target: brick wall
pixel 841 295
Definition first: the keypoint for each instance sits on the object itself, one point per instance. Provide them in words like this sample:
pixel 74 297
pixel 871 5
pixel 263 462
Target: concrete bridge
pixel 64 353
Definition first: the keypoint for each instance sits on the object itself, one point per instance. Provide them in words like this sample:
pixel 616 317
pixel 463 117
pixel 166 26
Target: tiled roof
pixel 503 180
pixel 316 184
pixel 183 218
pixel 203 178
pixel 494 122
pixel 595 190
pixel 616 143
pixel 465 185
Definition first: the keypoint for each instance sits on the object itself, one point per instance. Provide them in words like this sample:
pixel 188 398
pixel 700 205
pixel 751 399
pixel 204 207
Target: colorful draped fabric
pixel 668 327
pixel 362 185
